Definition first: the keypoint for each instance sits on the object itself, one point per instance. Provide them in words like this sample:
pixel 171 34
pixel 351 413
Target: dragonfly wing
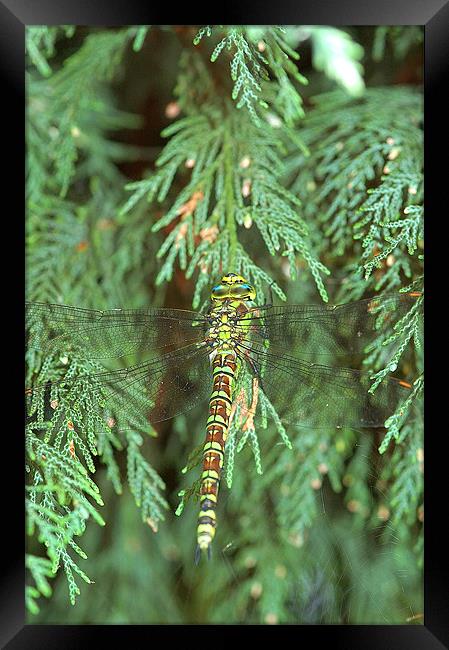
pixel 157 390
pixel 319 330
pixel 111 333
pixel 314 395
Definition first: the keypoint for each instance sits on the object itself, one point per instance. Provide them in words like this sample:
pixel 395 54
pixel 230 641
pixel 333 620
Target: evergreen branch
pixel 338 56
pixel 403 498
pixel 144 483
pixel 70 95
pixel 40 44
pixel 235 181
pixel 58 509
pixel 257 53
pixel 379 150
pixel 58 224
pixel 400 38
pixel 40 569
pixel 140 35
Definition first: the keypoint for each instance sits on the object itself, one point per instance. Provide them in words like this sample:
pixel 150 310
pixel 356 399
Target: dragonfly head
pixel 233 287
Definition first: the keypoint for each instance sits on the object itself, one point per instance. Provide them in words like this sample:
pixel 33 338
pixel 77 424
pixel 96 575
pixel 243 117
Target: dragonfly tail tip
pixel 199 552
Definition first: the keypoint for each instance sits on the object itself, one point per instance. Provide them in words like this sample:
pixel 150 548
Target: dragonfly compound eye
pixel 219 292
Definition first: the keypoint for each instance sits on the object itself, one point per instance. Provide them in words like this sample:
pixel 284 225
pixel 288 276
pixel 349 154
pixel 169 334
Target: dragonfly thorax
pixel 226 320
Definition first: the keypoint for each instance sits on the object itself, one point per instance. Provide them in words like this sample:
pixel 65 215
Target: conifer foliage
pixel 291 156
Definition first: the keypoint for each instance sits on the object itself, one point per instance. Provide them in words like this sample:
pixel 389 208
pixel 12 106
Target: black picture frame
pixel 14 16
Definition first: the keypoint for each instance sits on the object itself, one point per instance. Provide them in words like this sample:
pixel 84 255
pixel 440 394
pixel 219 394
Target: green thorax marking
pixel 228 326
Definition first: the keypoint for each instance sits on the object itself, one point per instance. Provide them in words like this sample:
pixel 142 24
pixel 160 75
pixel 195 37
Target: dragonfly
pixel 199 356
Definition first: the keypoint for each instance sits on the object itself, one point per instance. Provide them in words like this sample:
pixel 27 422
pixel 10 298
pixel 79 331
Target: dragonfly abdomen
pixel 224 369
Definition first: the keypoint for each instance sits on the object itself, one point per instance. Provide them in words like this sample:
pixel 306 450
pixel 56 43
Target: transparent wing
pixel 111 333
pixel 158 389
pixel 319 330
pixel 315 395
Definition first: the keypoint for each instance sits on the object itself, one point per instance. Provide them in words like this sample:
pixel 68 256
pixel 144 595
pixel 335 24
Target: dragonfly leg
pixel 260 327
pixel 249 423
pixel 256 308
pixel 238 401
pixel 270 304
pixel 254 369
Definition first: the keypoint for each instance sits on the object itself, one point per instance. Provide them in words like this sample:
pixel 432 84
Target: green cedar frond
pixel 365 181
pixel 40 569
pixel 63 102
pixel 140 35
pixel 81 427
pixel 337 55
pixel 230 185
pixel 400 38
pixel 40 44
pixel 144 482
pixel 258 53
pixel 58 505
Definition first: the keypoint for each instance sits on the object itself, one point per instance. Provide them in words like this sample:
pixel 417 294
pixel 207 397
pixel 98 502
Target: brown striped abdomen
pixel 224 368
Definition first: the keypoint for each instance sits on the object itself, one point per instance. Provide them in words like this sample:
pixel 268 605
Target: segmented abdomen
pixel 224 368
